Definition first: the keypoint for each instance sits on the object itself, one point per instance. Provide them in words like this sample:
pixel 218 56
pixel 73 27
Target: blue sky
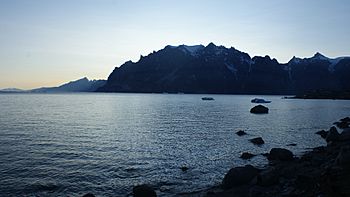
pixel 49 42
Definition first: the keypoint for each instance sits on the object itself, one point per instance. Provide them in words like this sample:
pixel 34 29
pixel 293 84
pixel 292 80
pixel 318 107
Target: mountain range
pixel 217 69
pixel 80 85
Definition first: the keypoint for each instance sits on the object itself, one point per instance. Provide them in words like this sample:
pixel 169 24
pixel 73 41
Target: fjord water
pixel 71 144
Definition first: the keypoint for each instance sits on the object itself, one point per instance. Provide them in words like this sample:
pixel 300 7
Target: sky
pixel 50 42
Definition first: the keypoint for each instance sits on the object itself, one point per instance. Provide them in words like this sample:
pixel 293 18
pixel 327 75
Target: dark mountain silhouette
pixel 80 85
pixel 217 69
pixel 14 90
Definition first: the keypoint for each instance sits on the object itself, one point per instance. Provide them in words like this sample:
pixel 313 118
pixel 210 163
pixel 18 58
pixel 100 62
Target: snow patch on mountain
pixel 232 68
pixel 191 50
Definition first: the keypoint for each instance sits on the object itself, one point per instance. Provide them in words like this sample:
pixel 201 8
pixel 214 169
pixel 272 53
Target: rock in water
pixel 239 176
pixel 184 168
pixel 247 155
pixel 257 141
pixel 322 133
pixel 259 109
pixel 280 154
pixel 144 191
pixel 241 132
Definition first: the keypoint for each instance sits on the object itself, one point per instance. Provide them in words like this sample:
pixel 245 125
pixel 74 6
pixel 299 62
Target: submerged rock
pixel 259 109
pixel 247 155
pixel 144 191
pixel 257 141
pixel 184 168
pixel 241 132
pixel 239 176
pixel 280 154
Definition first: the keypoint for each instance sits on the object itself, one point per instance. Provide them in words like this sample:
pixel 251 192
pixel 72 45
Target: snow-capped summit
pixel 192 50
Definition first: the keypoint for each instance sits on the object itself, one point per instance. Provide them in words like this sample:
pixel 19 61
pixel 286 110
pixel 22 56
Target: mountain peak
pixel 210 45
pixel 319 56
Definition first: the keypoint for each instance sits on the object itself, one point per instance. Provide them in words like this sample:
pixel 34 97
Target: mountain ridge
pixel 217 69
pixel 80 85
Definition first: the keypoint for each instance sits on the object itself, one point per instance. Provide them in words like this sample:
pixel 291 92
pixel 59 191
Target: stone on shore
pixel 322 133
pixel 268 177
pixel 247 155
pixel 346 119
pixel 241 132
pixel 280 154
pixel 239 176
pixel 144 191
pixel 332 135
pixel 257 141
pixel 342 125
pixel 345 135
pixel 343 158
pixel 259 109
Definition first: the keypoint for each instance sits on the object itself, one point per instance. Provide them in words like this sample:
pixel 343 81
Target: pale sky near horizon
pixel 49 42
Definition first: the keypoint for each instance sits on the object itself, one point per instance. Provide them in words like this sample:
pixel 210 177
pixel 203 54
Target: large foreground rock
pixel 239 176
pixel 259 109
pixel 280 154
pixel 345 135
pixel 144 191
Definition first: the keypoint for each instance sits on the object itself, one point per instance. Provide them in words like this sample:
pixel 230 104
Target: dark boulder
pixel 342 125
pixel 268 177
pixel 259 109
pixel 241 132
pixel 144 191
pixel 257 141
pixel 343 158
pixel 346 119
pixel 345 135
pixel 184 168
pixel 239 176
pixel 332 135
pixel 280 154
pixel 322 133
pixel 247 155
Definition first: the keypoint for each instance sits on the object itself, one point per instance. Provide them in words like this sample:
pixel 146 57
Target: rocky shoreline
pixel 324 171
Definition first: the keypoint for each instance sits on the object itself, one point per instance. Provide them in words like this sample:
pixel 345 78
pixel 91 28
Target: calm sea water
pixel 71 144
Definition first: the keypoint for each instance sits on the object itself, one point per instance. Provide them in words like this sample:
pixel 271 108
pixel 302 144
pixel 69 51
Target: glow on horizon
pixel 47 43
